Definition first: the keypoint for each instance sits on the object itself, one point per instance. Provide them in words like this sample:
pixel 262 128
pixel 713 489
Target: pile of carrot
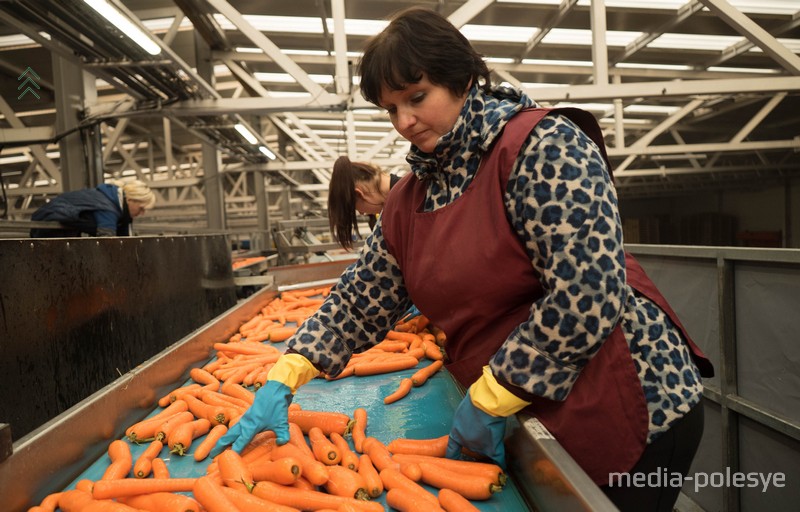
pixel 316 470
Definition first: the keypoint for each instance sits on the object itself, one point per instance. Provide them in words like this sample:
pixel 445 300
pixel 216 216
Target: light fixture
pixel 125 25
pixel 246 133
pixel 269 154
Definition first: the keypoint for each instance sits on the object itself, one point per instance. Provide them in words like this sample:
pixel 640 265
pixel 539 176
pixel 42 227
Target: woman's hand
pixel 477 431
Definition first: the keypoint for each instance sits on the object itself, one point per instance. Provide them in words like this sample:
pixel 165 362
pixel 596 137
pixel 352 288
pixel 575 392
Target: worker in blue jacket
pixel 106 210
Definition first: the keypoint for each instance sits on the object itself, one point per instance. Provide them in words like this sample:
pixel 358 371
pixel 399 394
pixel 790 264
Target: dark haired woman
pixel 356 187
pixel 506 234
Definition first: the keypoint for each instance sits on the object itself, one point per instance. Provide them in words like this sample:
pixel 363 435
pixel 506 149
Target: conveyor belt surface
pixel 425 413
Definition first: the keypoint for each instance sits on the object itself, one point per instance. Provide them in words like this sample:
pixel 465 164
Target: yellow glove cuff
pixel 489 396
pixel 293 370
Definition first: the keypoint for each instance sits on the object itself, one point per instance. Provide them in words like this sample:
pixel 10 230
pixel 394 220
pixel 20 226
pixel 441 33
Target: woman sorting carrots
pixel 507 236
pixel 356 187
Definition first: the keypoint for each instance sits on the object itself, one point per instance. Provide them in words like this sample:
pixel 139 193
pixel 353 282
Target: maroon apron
pixel 468 272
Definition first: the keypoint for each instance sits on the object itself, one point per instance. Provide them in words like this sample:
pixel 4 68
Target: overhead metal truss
pixel 716 118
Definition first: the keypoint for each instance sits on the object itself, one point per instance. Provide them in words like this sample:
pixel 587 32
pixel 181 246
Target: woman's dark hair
pixel 419 40
pixel 342 214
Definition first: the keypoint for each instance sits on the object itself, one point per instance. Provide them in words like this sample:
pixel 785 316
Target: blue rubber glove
pixel 477 431
pixel 479 423
pixel 270 411
pixel 412 312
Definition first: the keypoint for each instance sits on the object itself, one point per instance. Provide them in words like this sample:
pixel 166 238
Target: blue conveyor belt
pixel 425 413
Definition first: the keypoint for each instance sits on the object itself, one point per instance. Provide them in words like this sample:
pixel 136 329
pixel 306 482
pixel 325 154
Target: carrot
pixel 110 489
pixel 359 429
pixel 302 483
pixel 284 471
pixel 451 501
pixel 379 454
pixel 245 501
pixel 395 364
pixel 144 463
pixel 297 438
pixel 181 438
pixel 313 470
pixel 371 476
pixel 244 347
pixel 211 496
pixel 233 470
pixel 472 487
pixel 346 482
pixel 74 500
pixel 349 457
pixel 166 428
pixel 492 471
pixel 411 470
pixel 85 484
pixel 48 504
pixel 393 479
pixel 433 351
pixel 210 441
pixel 160 468
pixel 402 390
pixel 281 334
pixel 215 398
pixel 309 500
pixel 407 501
pixel 107 506
pixel 423 374
pixel 162 502
pixel 121 460
pixel 204 378
pixel 146 428
pixel 237 391
pixel 327 421
pixel 178 394
pixel 324 450
pixel 436 447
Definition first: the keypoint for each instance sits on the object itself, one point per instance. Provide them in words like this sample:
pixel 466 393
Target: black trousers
pixel 671 453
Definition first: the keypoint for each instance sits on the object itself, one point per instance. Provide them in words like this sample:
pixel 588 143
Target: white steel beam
pixel 469 10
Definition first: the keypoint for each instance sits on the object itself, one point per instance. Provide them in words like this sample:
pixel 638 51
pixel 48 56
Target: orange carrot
pixel 281 334
pixel 405 500
pixel 178 393
pixel 327 421
pixel 346 482
pixel 237 391
pixel 349 457
pixel 393 479
pixel 215 414
pixel 359 430
pixel 181 438
pixel 146 428
pixel 160 468
pixel 492 471
pixel 402 390
pixel 48 504
pixel 408 337
pixel 106 506
pixel 324 450
pixel 121 460
pixel 302 483
pixel 472 487
pixel 110 489
pixel 171 423
pixel 162 502
pixel 313 470
pixel 211 496
pixel 395 364
pixel 210 441
pixel 204 378
pixel 297 438
pixel 284 471
pixel 433 351
pixel 309 500
pixel 411 470
pixel 436 447
pixel 245 501
pixel 451 501
pixel 144 463
pixel 423 374
pixel 379 454
pixel 371 476
pixel 234 472
pixel 74 500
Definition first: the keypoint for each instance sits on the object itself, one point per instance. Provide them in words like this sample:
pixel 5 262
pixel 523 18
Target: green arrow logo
pixel 30 77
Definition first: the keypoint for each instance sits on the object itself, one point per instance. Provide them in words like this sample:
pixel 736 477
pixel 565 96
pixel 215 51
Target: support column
pixel 262 241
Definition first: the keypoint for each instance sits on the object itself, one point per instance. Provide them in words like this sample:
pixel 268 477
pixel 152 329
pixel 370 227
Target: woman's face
pixel 135 208
pixel 422 112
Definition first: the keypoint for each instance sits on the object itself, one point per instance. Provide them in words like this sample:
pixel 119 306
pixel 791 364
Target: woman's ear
pixel 360 193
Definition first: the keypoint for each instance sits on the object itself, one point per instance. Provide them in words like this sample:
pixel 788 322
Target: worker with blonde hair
pixel 106 210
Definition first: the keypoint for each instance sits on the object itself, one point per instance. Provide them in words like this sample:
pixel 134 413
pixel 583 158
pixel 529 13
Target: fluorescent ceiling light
pixel 694 42
pixel 746 6
pixel 269 154
pixel 744 70
pixel 543 62
pixel 584 37
pixel 246 133
pixel 669 67
pixel 540 85
pixel 287 78
pixel 125 25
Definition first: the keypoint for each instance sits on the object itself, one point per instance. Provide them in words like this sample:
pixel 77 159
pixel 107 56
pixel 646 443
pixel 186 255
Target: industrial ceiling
pixel 692 95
